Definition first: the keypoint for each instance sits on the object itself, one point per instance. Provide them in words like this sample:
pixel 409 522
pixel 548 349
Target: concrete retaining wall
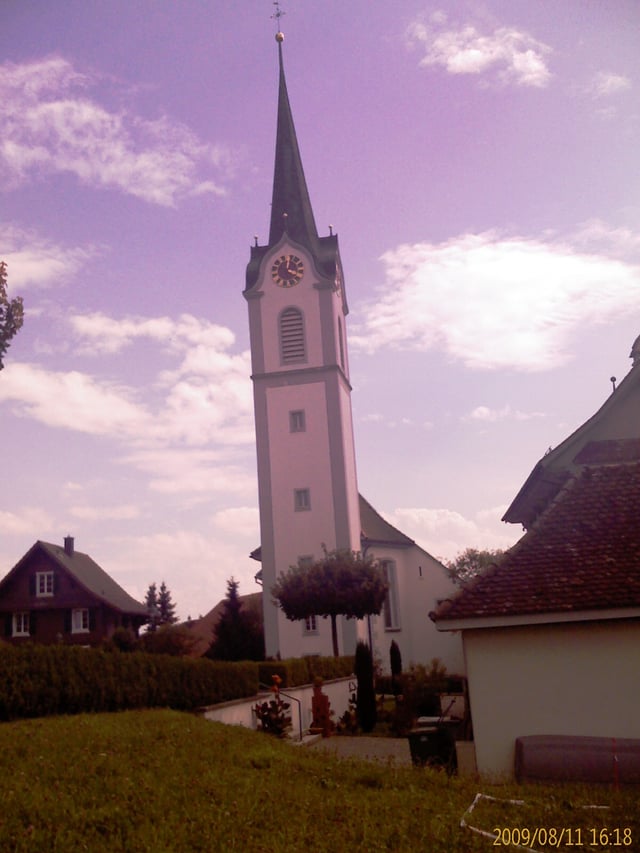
pixel 240 712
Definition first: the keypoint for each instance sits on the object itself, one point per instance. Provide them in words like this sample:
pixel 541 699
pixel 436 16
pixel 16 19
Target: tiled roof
pixel 582 555
pixel 95 579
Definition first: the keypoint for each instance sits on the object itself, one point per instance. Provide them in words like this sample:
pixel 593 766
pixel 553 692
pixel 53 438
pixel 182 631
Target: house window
pixel 21 624
pixel 301 500
pixel 297 422
pixel 391 615
pixel 305 562
pixel 80 621
pixel 311 625
pixel 292 343
pixel 44 584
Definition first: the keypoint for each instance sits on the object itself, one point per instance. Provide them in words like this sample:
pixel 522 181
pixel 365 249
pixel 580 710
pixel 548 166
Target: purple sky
pixel 479 162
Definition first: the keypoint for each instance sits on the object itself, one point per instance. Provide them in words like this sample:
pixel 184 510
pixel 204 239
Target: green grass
pixel 168 781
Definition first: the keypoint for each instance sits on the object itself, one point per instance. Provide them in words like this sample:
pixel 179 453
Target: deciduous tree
pixel 11 314
pixel 341 583
pixel 470 563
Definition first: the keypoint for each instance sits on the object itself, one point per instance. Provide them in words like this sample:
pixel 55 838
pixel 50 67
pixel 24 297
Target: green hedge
pixel 37 681
pixel 297 671
pixel 41 680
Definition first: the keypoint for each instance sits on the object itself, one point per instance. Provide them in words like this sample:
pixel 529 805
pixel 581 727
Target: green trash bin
pixel 433 746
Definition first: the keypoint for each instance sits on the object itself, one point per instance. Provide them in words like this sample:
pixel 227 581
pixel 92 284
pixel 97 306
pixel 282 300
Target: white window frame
pixel 301 500
pixel 21 619
pixel 44 584
pixel 80 620
pixel 310 624
pixel 297 421
pixel 390 610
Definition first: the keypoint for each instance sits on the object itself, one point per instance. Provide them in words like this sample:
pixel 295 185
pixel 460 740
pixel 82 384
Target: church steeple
pixel 291 209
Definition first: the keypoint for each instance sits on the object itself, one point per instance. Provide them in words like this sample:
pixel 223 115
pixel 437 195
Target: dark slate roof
pixel 93 578
pixel 203 627
pixel 375 530
pixel 582 555
pixel 291 209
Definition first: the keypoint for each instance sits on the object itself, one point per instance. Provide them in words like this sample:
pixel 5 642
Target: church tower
pixel 307 482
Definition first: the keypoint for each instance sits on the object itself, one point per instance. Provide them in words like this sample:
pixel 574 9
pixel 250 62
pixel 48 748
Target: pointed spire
pixel 290 205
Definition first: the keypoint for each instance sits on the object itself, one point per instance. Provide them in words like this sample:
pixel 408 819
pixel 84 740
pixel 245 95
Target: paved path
pixel 386 749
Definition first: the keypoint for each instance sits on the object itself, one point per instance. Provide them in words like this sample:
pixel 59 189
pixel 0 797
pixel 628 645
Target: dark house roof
pixel 606 437
pixel 203 627
pixel 88 573
pixel 377 531
pixel 582 556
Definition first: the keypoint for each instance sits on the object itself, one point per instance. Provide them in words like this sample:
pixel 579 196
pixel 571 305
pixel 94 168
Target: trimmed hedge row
pixel 297 671
pixel 38 681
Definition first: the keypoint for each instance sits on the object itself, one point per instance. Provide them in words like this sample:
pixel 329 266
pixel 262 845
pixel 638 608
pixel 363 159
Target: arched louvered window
pixel 292 343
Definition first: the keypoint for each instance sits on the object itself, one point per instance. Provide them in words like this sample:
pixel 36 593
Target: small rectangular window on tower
pixel 297 422
pixel 301 500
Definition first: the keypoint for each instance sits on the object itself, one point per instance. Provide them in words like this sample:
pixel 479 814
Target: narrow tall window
pixel 21 624
pixel 341 342
pixel 301 500
pixel 80 621
pixel 291 329
pixel 310 625
pixel 391 617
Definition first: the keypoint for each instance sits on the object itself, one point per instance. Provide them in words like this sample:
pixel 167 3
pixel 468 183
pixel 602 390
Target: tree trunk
pixel 334 634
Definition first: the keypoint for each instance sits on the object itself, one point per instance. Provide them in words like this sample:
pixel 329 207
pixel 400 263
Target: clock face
pixel 287 270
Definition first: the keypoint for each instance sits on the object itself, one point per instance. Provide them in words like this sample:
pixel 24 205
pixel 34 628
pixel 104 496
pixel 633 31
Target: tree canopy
pixel 470 563
pixel 341 583
pixel 11 314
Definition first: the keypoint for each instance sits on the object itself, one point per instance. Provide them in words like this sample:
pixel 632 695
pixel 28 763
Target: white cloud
pixel 122 512
pixel 488 415
pixel 194 472
pixel 606 83
pixel 49 125
pixel 73 400
pixel 33 261
pixel 495 302
pixel 444 533
pixel 513 56
pixel 24 521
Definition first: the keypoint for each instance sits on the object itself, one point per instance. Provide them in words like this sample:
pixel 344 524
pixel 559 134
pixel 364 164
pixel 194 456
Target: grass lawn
pixel 167 781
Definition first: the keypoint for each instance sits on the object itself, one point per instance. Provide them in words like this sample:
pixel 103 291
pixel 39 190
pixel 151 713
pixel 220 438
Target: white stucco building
pixel 308 489
pixel 552 635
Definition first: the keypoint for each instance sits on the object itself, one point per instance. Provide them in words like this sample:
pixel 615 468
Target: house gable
pixel 53 594
pixel 610 435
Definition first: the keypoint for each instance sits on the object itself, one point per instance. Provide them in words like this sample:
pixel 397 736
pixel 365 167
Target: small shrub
pixel 272 714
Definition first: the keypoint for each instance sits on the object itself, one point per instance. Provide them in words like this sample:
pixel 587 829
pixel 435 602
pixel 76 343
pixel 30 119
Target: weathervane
pixel 277 15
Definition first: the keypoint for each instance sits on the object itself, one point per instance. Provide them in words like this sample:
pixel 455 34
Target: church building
pixel 308 490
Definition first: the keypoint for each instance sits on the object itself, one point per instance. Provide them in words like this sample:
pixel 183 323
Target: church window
pixel 301 500
pixel 297 421
pixel 390 609
pixel 292 342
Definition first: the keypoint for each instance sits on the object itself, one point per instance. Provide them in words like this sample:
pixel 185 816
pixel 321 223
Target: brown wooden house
pixel 55 594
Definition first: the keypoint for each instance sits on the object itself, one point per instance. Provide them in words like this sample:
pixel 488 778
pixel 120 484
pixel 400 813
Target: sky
pixel 479 163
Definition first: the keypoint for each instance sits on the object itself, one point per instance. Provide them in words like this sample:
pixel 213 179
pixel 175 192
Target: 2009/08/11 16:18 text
pixel 556 837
